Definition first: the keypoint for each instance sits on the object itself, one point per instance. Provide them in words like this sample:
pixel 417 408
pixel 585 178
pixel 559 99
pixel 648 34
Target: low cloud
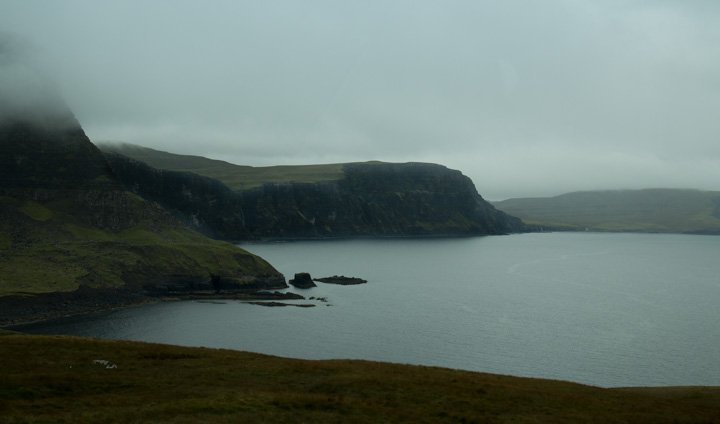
pixel 526 99
pixel 26 91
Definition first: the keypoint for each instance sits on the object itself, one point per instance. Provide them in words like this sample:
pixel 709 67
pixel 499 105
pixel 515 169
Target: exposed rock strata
pixel 202 203
pixel 370 200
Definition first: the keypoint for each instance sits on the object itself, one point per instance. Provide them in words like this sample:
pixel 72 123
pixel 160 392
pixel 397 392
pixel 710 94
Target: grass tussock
pixel 55 379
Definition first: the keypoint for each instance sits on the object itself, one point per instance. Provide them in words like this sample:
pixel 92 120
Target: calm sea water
pixel 601 309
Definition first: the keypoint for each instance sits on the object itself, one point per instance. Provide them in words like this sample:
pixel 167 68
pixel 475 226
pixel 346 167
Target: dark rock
pixel 342 280
pixel 16 309
pixel 386 200
pixel 299 305
pixel 302 280
pixel 275 295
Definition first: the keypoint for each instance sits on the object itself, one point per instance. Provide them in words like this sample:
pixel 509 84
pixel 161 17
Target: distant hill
pixel 371 199
pixel 649 210
pixel 72 239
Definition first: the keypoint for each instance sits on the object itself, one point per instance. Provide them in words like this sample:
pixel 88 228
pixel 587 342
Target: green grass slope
pixel 50 379
pixel 237 177
pixel 43 249
pixel 72 239
pixel 650 210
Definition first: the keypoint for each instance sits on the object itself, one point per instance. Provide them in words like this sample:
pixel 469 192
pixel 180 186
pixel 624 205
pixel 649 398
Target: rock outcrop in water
pixel 302 280
pixel 341 280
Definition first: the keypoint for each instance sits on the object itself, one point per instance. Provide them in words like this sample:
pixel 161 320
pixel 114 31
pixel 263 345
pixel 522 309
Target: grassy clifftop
pixel 236 177
pixel 370 199
pixel 61 379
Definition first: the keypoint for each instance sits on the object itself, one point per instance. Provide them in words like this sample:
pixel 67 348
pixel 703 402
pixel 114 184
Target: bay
pixel 602 309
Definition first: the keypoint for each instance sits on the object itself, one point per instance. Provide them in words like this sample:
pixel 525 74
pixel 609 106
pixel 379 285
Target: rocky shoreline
pixel 30 308
pixel 27 308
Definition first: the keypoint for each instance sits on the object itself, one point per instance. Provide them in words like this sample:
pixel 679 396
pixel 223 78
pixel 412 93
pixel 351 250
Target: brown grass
pixel 48 379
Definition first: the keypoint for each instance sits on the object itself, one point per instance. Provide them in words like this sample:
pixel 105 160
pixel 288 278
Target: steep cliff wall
pixel 397 200
pixel 366 200
pixel 204 204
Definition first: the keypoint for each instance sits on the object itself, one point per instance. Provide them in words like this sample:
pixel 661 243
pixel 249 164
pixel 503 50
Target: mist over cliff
pixel 71 238
pixel 27 93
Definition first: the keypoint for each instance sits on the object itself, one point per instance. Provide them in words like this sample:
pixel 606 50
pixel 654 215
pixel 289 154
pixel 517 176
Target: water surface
pixel 600 309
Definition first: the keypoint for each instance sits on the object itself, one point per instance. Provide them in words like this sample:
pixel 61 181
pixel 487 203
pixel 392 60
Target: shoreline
pixel 10 321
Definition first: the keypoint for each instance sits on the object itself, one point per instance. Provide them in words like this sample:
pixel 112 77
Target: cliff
pixel 375 199
pixel 72 239
pixel 204 204
pixel 370 199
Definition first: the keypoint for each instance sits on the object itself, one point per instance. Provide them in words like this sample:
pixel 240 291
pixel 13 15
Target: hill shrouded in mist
pixel 72 239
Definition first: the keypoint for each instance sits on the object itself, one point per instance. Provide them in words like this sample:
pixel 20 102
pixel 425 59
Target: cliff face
pixel 204 204
pixel 375 200
pixel 72 239
pixel 368 200
pixel 54 162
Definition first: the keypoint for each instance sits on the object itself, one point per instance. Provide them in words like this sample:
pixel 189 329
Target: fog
pixel 526 98
pixel 24 89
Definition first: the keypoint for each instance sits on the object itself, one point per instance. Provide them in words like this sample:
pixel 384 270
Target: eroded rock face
pixel 202 203
pixel 371 199
pixel 388 200
pixel 303 280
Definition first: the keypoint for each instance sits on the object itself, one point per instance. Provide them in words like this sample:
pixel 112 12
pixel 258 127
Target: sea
pixel 603 309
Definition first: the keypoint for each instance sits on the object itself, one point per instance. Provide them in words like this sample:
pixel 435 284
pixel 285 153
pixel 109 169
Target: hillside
pixel 236 177
pixel 371 199
pixel 71 238
pixel 67 379
pixel 649 210
pixel 202 203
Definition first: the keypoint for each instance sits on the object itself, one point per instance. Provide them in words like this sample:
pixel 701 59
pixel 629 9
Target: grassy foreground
pixel 49 379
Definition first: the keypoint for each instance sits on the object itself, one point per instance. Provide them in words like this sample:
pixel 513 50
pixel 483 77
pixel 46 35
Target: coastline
pixel 49 311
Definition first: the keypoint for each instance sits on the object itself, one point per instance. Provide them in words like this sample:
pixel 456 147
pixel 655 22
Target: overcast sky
pixel 527 98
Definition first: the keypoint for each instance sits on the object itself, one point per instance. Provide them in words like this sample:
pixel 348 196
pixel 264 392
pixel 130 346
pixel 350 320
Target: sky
pixel 527 98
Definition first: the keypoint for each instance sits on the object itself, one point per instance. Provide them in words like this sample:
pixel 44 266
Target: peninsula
pixel 369 199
